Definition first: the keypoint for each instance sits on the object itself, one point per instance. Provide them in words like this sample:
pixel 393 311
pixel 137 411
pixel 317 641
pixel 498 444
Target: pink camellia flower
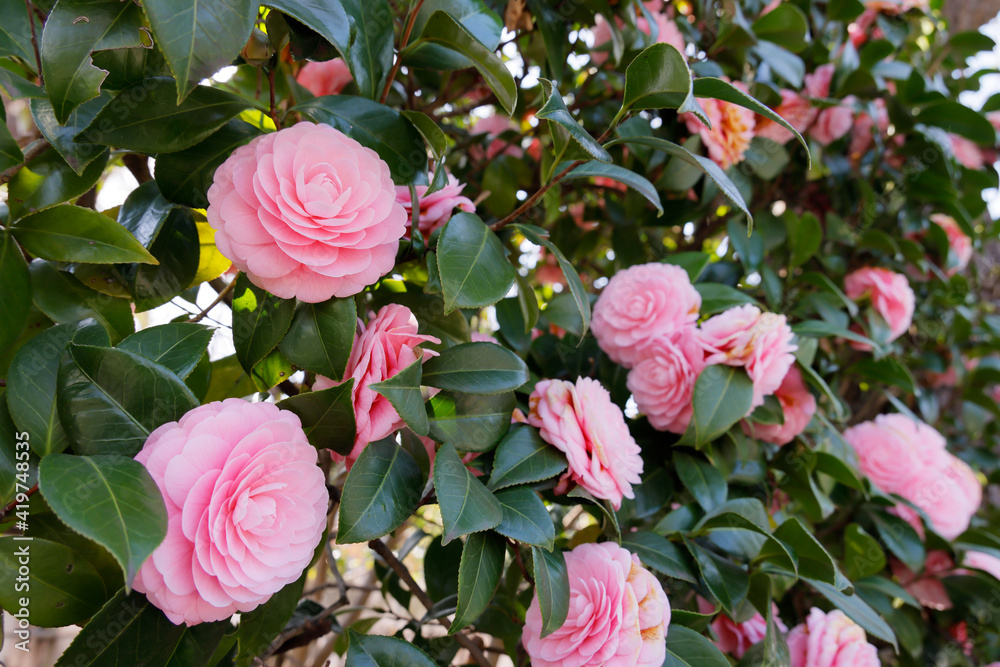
pixel 325 78
pixel 640 304
pixel 833 122
pixel 890 294
pixel 731 132
pixel 967 153
pixel 662 380
pixel 477 337
pixel 798 406
pixel 737 638
pixel 760 342
pixel 982 561
pixel 794 108
pixel 958 241
pixel 435 209
pixel 618 614
pixel 246 507
pixel 307 212
pixel 859 30
pixel 581 421
pixel 493 126
pixel 866 126
pixel 386 346
pixel 907 457
pixel 830 640
pixel 666 28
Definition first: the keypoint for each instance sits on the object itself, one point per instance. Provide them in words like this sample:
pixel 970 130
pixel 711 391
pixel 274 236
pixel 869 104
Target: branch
pixel 34 40
pixel 226 291
pixel 411 18
pixel 379 547
pixel 530 201
pixel 14 503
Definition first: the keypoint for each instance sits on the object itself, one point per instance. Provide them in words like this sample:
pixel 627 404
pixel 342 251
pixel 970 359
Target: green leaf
pixel 594 169
pixel 16 303
pixel 862 554
pixel 466 505
pixel 159 124
pixel 177 248
pixel 722 396
pixel 474 15
pixel 478 577
pixel 10 152
pixel 64 588
pixel 111 400
pixel 901 539
pixel 48 181
pixel 813 560
pixel 258 628
pixel 381 492
pixel 321 336
pixel 471 422
pixel 716 297
pixel 403 392
pixel 476 368
pixel 824 329
pixel 687 648
pixel 68 233
pixel 77 154
pixel 110 499
pixel 727 581
pixel 199 38
pixel 370 57
pixel 701 479
pixel 15 33
pixel 441 28
pixel 185 176
pixel 522 457
pixel 539 236
pixel 551 587
pixel 857 610
pixel 786 25
pixel 472 264
pixel 260 320
pixel 329 19
pixel 381 651
pixel 177 346
pixel 959 119
pixel 554 110
pixel 718 89
pixel 660 554
pixel 658 78
pixel 327 416
pixel 144 212
pixel 65 300
pixel 376 126
pixel 67 42
pixel 525 518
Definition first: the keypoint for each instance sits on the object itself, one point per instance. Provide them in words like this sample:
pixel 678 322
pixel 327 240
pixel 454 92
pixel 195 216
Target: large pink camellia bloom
pixel 246 507
pixel 958 241
pixel 890 294
pixel 830 640
pixel 760 342
pixel 798 406
pixel 307 212
pixel 905 456
pixel 662 380
pixel 618 614
pixel 435 209
pixel 731 132
pixel 640 304
pixel 386 346
pixel 325 78
pixel 582 422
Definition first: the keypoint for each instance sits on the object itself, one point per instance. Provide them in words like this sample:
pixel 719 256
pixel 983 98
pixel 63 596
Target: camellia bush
pixel 570 333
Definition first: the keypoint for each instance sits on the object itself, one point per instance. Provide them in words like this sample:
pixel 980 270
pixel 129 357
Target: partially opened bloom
pixel 890 294
pixel 246 507
pixel 618 614
pixel 436 208
pixel 967 153
pixel 958 242
pixel 760 342
pixel 731 132
pixel 737 638
pixel 662 381
pixel 798 406
pixel 830 640
pixel 582 422
pixel 386 346
pixel 328 77
pixel 307 212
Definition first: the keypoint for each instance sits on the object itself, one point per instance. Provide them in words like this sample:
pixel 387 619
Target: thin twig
pixel 411 18
pixel 34 40
pixel 274 110
pixel 12 505
pixel 379 547
pixel 222 295
pixel 34 150
pixel 530 201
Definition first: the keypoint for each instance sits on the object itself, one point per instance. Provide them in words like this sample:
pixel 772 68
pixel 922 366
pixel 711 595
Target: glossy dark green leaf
pixel 15 33
pixel 727 581
pixel 522 457
pixel 382 490
pixel 538 236
pixel 271 371
pixel 471 422
pixel 64 300
pixel 78 154
pixel 525 518
pixel 16 302
pixel 258 628
pixel 199 38
pixel 48 181
pixel 786 26
pixel 551 587
pixel 478 577
pixel 485 25
pixel 403 391
pixel 70 233
pixel 476 368
pixel 441 565
pixel 177 346
pixel 701 479
pixel 177 249
pixel 959 119
pixel 466 505
pixel 687 648
pixel 144 212
pixel 321 336
pixel 472 264
pixel 594 169
pixel 901 539
pixel 380 128
pixel 112 500
pixel 857 610
pixel 228 380
pixel 722 396
pixel 658 78
pixel 660 554
pixel 371 53
pixel 812 558
pixel 10 152
pixel 805 234
pixel 111 400
pixel 260 320
pixel 434 136
pixel 554 110
pixel 329 19
pixel 67 43
pixel 382 651
pixel 327 416
pixel 862 554
pixel 13 442
pixel 823 329
pixel 159 124
pixel 185 176
pixel 716 297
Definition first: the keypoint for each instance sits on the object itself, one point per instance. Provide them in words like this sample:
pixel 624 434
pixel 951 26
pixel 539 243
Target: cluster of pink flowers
pixel 907 457
pixel 830 640
pixel 890 294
